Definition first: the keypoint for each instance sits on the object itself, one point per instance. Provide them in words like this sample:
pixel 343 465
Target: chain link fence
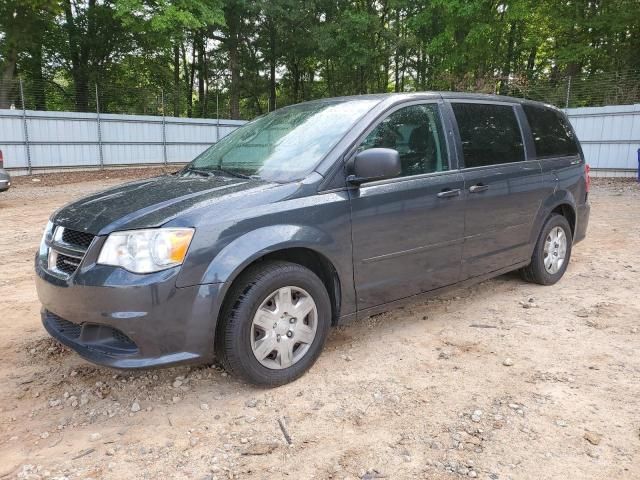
pixel 571 91
pixel 48 124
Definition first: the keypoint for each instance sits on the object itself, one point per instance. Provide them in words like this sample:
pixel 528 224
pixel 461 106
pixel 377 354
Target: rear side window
pixel 490 134
pixel 552 134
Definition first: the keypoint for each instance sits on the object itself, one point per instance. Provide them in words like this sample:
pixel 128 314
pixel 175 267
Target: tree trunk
pixel 78 54
pixel 188 80
pixel 39 95
pixel 176 80
pixel 201 77
pixel 7 82
pixel 506 69
pixel 232 18
pixel 272 67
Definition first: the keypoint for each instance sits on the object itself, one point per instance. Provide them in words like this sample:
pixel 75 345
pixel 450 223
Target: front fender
pixel 238 254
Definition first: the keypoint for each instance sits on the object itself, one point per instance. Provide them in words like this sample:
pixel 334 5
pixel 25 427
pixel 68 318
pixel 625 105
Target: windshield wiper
pixel 199 171
pixel 233 174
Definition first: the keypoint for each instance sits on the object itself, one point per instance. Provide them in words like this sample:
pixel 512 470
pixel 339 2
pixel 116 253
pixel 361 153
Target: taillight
pixel 587 170
pixel 1 160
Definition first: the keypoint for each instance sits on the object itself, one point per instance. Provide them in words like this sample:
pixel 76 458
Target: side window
pixel 490 134
pixel 416 133
pixel 552 135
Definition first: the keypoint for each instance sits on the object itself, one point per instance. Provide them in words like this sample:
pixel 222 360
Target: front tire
pixel 274 323
pixel 552 252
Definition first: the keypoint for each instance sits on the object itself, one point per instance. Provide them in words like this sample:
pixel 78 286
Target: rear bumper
pixel 141 324
pixel 582 222
pixel 4 185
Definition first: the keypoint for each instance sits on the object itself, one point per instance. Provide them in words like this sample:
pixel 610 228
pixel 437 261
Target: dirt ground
pixel 504 380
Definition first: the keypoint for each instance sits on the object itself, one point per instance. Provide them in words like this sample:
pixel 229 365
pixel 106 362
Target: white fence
pixel 610 138
pixel 50 140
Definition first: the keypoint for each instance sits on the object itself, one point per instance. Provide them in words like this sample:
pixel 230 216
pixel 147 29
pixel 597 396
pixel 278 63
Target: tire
pixel 241 331
pixel 538 270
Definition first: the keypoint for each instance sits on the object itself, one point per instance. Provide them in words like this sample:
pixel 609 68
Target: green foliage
pixel 245 57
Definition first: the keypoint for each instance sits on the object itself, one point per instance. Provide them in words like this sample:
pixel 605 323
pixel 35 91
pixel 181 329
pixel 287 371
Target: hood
pixel 150 203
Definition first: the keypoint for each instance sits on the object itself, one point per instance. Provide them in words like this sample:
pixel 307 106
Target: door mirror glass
pixel 375 164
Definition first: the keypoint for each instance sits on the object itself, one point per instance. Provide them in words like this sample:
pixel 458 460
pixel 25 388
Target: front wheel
pixel 275 323
pixel 552 252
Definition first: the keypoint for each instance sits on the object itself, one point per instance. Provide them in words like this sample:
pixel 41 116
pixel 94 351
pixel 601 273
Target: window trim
pixel 524 132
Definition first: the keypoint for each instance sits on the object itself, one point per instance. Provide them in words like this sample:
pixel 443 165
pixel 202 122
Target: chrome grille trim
pixel 58 247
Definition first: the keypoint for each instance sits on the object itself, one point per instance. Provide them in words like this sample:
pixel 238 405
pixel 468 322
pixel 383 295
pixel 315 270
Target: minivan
pixel 308 217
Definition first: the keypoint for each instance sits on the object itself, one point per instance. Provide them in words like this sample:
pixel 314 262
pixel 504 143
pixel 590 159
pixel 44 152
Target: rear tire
pixel 551 254
pixel 274 324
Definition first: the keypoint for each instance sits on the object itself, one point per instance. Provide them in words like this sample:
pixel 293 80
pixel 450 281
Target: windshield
pixel 284 145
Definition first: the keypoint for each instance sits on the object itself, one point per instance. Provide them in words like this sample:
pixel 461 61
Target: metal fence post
pixel 25 127
pixel 164 130
pixel 566 105
pixel 99 130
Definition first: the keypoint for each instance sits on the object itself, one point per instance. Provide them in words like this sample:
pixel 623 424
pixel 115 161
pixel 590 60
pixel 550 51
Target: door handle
pixel 478 188
pixel 449 192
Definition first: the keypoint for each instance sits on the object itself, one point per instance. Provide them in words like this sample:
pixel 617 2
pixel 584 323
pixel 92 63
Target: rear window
pixel 552 134
pixel 490 134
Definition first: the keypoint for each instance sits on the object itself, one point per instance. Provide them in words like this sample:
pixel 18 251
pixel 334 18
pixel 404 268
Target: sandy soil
pixel 505 380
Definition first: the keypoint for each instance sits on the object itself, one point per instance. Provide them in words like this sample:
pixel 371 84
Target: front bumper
pixel 123 320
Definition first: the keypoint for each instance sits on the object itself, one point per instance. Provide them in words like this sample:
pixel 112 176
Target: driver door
pixel 408 231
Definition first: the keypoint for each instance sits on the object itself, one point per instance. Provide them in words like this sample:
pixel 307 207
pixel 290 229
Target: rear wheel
pixel 552 252
pixel 275 323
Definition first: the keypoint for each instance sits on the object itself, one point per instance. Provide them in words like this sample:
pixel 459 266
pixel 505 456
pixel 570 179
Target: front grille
pixel 67 249
pixel 66 328
pixel 80 239
pixel 67 264
pixel 121 339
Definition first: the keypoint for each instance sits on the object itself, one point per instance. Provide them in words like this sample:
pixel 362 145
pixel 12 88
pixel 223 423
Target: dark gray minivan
pixel 307 217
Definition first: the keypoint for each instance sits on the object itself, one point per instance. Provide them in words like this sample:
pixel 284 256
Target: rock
pixel 176 399
pixel 514 406
pixel 44 435
pixel 244 440
pixel 582 313
pixel 204 406
pixel 177 383
pixel 260 448
pixel 472 474
pixel 251 403
pixel 476 416
pixel 561 423
pixel 135 407
pixel 193 441
pixel 507 362
pixel 94 437
pixel 592 437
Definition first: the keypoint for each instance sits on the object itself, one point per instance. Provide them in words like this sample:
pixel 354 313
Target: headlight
pixel 146 251
pixel 48 231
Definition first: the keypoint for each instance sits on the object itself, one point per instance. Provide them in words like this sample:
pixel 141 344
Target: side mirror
pixel 374 164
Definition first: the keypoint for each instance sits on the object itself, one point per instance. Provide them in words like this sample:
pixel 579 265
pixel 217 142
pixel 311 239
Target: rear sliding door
pixel 503 189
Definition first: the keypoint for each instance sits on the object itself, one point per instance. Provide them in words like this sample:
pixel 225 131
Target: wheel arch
pixel 297 244
pixel 561 202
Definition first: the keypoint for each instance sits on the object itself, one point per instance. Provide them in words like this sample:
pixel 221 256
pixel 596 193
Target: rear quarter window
pixel 490 134
pixel 552 134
